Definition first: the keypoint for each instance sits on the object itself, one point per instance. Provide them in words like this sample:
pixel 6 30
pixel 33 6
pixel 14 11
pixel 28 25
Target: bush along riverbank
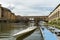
pixel 55 23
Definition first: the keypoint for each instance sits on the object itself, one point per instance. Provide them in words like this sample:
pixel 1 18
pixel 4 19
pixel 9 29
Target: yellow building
pixel 13 17
pixel 55 14
pixel 6 14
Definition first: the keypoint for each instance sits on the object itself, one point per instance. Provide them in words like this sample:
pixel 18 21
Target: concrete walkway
pixel 47 34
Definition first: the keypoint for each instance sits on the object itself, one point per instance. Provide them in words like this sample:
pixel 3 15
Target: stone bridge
pixel 37 18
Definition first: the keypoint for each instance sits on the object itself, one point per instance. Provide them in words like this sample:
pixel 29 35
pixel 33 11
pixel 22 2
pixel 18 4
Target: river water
pixel 8 29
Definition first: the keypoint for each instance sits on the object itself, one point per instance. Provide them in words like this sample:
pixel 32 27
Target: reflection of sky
pixel 30 7
pixel 48 35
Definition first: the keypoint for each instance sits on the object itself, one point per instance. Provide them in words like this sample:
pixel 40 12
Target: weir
pixel 20 35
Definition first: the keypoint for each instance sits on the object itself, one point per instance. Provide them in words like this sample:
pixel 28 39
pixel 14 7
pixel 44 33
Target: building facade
pixel 6 14
pixel 13 17
pixel 55 14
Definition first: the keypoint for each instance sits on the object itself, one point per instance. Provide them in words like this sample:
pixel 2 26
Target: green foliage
pixel 55 22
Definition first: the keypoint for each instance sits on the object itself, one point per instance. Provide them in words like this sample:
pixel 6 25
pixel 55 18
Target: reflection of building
pixel 55 14
pixel 6 14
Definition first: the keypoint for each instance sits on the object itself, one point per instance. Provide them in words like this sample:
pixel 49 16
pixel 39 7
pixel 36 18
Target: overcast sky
pixel 30 7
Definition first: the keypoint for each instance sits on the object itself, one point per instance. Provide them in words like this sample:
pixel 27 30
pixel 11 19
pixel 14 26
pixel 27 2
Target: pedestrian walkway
pixel 47 34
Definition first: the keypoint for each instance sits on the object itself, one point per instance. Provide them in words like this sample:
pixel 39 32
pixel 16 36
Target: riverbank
pixel 56 26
